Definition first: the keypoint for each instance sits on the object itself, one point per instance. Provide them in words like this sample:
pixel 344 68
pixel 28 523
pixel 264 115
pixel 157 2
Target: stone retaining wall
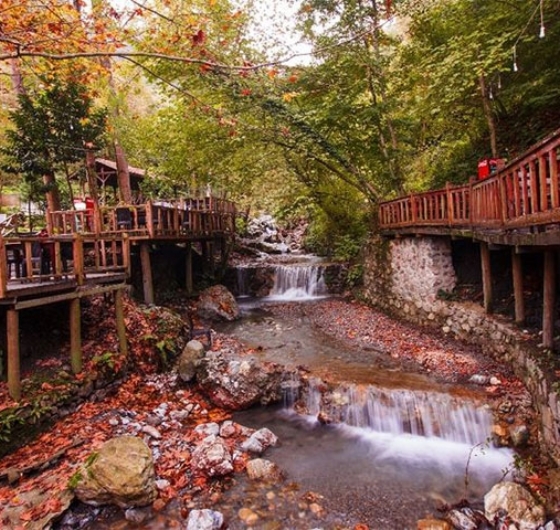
pixel 409 278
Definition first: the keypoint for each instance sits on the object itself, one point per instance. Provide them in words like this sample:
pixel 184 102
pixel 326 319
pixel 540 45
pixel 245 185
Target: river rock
pixel 205 520
pixel 261 469
pixel 259 441
pixel 517 502
pixel 217 303
pixel 212 457
pixel 236 384
pixel 461 520
pixel 121 473
pixel 189 360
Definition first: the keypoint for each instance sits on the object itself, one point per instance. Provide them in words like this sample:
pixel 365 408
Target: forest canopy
pixel 386 97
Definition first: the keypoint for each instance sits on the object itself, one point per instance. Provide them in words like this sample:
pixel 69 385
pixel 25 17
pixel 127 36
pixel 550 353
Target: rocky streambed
pixel 206 468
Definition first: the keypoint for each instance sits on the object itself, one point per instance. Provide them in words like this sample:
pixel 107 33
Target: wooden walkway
pixel 519 205
pixel 516 208
pixel 89 252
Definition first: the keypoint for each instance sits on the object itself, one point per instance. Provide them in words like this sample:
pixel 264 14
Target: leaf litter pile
pixel 34 479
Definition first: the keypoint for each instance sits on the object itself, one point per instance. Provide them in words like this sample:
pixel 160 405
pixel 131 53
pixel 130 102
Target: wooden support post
pixel 121 329
pixel 76 335
pixel 12 328
pixel 147 282
pixel 517 272
pixel 486 277
pixel 549 298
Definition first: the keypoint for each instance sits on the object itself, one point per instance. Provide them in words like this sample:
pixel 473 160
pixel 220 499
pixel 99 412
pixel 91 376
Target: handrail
pixel 526 191
pixel 37 259
pixel 173 218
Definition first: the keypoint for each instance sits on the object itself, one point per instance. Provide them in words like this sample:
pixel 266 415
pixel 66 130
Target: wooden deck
pixel 88 252
pixel 519 205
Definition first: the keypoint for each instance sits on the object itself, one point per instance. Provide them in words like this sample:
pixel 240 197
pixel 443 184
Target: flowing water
pixel 399 444
pixel 390 448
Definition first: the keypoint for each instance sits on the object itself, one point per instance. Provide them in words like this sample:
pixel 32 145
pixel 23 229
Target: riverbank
pixel 378 338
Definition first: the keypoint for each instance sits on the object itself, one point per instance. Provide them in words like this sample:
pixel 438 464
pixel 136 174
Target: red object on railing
pixel 488 166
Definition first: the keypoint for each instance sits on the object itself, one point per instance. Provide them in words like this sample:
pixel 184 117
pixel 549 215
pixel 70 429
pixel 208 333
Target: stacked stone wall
pixel 406 278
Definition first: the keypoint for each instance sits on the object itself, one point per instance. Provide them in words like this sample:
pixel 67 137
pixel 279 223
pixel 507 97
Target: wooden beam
pixel 549 298
pixel 80 293
pixel 76 335
pixel 121 328
pixel 486 277
pixel 147 281
pixel 12 336
pixel 517 273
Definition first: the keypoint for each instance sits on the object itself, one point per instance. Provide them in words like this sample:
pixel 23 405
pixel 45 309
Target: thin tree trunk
pixel 489 116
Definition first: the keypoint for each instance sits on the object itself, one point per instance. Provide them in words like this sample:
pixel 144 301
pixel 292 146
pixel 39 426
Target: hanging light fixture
pixel 542 32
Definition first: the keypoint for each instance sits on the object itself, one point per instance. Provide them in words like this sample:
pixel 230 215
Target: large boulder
pixel 121 473
pixel 236 384
pixel 217 303
pixel 517 502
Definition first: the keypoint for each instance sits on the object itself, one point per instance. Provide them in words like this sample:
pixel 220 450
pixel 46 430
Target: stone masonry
pixel 404 277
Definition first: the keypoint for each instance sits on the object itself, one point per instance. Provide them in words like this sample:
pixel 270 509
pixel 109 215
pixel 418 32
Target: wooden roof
pixel 107 173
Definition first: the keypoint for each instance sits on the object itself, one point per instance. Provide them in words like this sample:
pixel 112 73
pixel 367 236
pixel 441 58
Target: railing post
pixel 503 198
pixel 553 169
pixel 3 268
pixel 150 218
pixel 126 254
pixel 449 199
pixel 78 255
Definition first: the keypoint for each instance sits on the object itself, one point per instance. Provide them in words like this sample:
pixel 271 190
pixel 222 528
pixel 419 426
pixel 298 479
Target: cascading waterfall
pixel 298 281
pixel 400 411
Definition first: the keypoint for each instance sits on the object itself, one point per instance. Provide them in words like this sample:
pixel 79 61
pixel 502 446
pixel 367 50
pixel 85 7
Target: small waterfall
pixel 396 412
pixel 298 281
pixel 242 280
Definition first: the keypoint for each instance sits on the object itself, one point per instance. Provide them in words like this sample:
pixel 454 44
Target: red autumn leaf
pixel 199 37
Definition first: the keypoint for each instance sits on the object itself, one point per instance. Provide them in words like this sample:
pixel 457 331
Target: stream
pixel 406 446
pixel 402 445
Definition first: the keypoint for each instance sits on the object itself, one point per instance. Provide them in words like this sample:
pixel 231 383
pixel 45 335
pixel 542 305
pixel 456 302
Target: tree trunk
pixel 123 175
pixel 53 197
pixel 489 116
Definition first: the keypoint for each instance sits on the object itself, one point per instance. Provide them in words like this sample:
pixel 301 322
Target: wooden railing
pixel 525 192
pixel 177 218
pixel 26 260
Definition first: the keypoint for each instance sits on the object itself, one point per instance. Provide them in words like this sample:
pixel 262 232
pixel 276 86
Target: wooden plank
pixel 76 335
pixel 147 281
pixel 534 187
pixel 12 337
pixel 524 190
pixel 549 298
pixel 553 170
pixel 78 255
pixel 80 292
pixel 3 268
pixel 486 277
pixel 543 184
pixel 517 273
